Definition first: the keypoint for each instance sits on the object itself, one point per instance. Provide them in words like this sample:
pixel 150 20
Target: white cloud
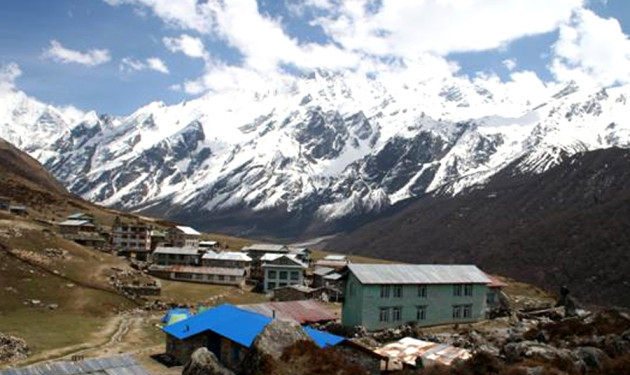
pixel 366 36
pixel 8 74
pixel 409 28
pixel 128 65
pixel 186 44
pixel 510 64
pixel 592 50
pixel 59 53
pixel 187 14
pixel 157 64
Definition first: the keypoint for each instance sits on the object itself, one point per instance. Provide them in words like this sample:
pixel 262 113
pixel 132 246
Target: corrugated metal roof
pixel 230 255
pixel 333 276
pixel 199 270
pixel 188 230
pixel 267 247
pixel 116 365
pixel 273 257
pixel 408 349
pixel 80 215
pixel 176 250
pixel 336 264
pixel 76 223
pixel 299 250
pixel 418 274
pixel 238 325
pixel 303 312
pixel 322 271
pixel 335 257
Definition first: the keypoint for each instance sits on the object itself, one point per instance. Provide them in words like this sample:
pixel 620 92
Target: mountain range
pixel 327 153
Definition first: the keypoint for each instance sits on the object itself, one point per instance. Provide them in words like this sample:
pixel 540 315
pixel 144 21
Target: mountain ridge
pixel 565 226
pixel 323 153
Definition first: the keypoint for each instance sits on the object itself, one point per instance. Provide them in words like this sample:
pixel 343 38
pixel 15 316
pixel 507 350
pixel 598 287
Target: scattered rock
pixel 518 351
pixel 204 362
pixel 278 335
pixel 269 345
pixel 592 357
pixel 12 348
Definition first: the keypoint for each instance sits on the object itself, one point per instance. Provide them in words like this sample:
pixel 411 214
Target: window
pixel 271 286
pixel 457 312
pixel 422 291
pixel 468 290
pixel 221 277
pixel 398 289
pixel 271 274
pixel 457 290
pixel 383 314
pixel 282 284
pixel 397 314
pixel 384 291
pixel 421 313
pixel 283 275
pixel 295 275
pixel 232 278
pixel 467 310
pixel 210 277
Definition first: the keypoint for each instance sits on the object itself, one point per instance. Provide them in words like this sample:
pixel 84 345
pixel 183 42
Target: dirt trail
pixel 117 336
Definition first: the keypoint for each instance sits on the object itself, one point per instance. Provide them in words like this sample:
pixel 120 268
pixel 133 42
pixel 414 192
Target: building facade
pixel 132 239
pixel 385 296
pixel 200 274
pixel 257 251
pixel 181 236
pixel 171 256
pixel 227 260
pixel 281 270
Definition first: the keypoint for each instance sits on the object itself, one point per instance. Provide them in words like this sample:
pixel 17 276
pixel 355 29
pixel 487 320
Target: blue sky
pixel 285 33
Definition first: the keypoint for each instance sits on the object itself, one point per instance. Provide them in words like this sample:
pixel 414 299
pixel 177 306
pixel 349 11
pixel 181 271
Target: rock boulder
pixel 204 362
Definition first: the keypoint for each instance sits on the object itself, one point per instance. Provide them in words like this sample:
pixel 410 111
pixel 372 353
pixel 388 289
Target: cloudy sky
pixel 116 55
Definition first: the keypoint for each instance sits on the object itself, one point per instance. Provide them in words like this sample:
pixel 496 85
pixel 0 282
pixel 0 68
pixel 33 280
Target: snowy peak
pixel 329 147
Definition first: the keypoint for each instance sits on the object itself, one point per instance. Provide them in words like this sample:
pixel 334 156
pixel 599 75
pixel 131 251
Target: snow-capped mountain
pixel 327 148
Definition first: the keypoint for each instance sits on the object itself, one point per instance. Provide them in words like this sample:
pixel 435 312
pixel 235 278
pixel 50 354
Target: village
pixel 377 318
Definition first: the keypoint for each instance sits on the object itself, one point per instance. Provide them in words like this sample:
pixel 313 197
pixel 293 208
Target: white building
pixel 281 270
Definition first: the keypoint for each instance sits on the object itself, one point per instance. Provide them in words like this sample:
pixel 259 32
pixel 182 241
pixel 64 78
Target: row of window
pixel 200 277
pixel 462 311
pixel 394 314
pixel 397 290
pixel 133 236
pixel 132 244
pixel 295 275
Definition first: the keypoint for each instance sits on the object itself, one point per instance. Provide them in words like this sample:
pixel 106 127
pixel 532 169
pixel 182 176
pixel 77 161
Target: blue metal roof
pixel 240 326
pixel 323 339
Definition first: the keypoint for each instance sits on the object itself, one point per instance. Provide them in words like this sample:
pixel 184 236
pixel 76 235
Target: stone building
pixel 228 332
pixel 132 239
